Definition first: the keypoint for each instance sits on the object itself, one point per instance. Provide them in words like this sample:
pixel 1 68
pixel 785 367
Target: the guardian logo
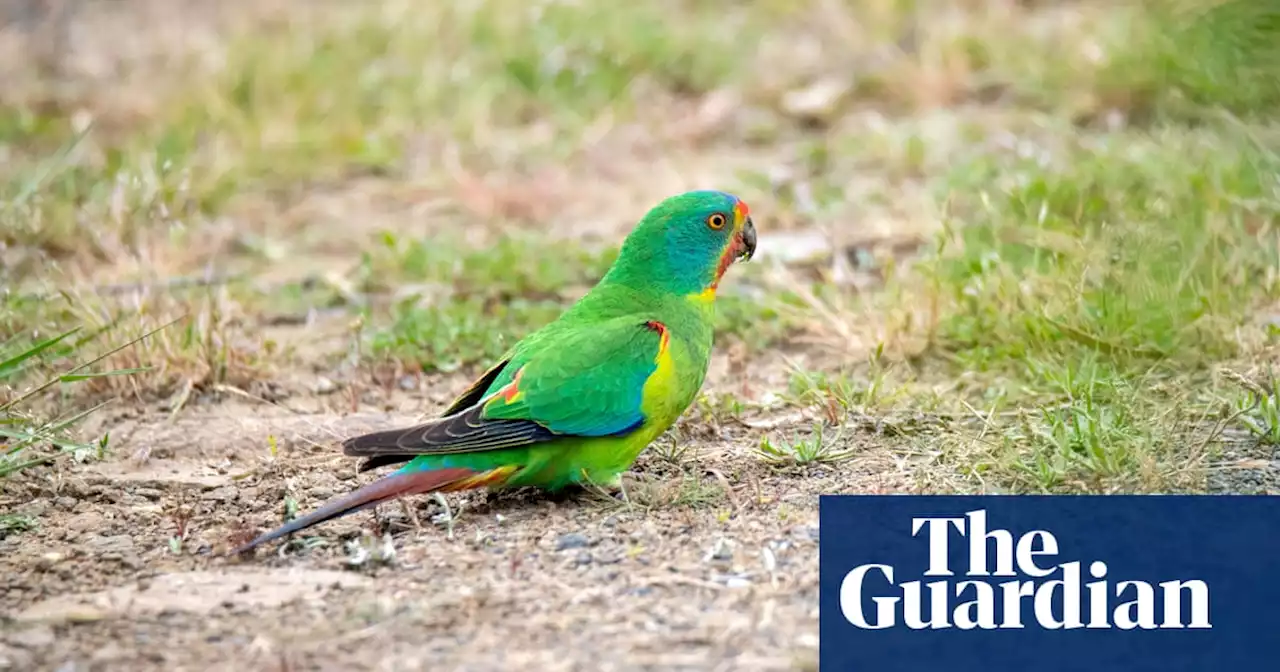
pixel 1038 588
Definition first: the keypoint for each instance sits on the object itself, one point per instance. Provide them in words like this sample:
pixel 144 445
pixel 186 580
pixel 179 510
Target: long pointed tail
pixel 385 489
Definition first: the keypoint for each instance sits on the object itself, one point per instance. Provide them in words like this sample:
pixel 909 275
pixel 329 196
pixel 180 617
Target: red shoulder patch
pixel 511 390
pixel 662 332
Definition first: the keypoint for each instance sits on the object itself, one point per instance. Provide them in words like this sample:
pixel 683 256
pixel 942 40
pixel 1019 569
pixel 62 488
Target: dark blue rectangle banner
pixel 1049 583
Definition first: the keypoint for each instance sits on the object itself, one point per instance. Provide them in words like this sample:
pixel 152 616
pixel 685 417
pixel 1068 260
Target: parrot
pixel 577 400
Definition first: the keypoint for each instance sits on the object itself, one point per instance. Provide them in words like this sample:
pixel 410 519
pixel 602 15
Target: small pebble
pixel 226 493
pixel 572 540
pixel 35 509
pixel 12 658
pixel 324 385
pixel 721 552
pixel 33 638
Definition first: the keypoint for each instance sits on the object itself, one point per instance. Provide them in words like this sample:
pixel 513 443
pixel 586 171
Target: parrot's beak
pixel 748 240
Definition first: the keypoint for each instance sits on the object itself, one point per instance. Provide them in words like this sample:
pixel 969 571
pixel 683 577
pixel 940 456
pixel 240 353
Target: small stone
pixel 67 503
pixel 110 652
pixel 324 385
pixel 35 509
pixel 572 540
pixel 584 558
pixel 226 493
pixel 721 552
pixel 820 101
pixel 16 659
pixel 37 637
pixel 115 546
pixel 86 522
pixel 408 383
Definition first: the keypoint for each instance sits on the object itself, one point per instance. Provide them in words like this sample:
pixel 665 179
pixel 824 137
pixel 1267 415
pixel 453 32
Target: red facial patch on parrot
pixel 735 247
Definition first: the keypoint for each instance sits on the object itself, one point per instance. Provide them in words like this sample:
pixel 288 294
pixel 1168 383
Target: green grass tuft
pixel 813 449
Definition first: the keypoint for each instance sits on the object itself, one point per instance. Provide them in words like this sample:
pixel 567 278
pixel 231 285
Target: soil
pixel 684 574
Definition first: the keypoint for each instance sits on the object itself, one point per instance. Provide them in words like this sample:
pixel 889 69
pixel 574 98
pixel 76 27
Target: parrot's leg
pixel 610 485
pixel 615 486
pixel 448 513
pixel 616 481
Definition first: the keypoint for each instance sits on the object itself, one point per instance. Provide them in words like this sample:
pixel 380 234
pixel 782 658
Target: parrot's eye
pixel 717 221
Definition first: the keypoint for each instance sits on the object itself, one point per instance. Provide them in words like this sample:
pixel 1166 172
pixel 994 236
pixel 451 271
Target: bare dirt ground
pixel 513 581
pixel 712 561
pixel 710 564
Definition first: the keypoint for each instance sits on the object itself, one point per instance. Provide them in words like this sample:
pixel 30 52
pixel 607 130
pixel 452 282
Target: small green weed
pixel 673 451
pixel 15 523
pixel 1259 410
pixel 816 448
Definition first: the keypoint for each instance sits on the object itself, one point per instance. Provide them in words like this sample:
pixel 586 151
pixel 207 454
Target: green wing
pixel 589 382
pixel 586 381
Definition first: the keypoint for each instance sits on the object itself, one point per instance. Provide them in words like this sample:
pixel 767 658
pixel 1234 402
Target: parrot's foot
pixel 622 490
pixel 448 512
pixel 616 488
pixel 611 486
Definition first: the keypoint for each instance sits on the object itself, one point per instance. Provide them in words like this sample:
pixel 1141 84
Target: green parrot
pixel 577 400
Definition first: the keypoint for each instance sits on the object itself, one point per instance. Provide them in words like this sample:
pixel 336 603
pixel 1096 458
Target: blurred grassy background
pixel 1047 227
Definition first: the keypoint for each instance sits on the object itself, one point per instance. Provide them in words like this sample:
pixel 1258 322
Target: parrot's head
pixel 685 244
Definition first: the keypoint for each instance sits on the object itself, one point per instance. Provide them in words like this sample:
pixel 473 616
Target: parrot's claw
pixel 617 488
pixel 613 486
pixel 622 491
pixel 448 512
